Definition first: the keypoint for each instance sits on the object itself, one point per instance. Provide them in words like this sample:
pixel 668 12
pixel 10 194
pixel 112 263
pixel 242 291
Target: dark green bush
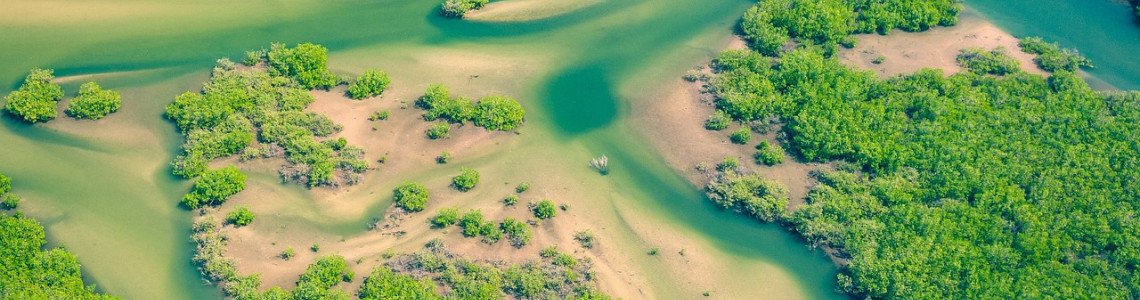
pixel 439 131
pixel 372 83
pixel 93 102
pixel 769 154
pixel 411 196
pixel 466 180
pixel 741 136
pixel 30 272
pixel 445 217
pixel 240 216
pixel 36 98
pixel 1051 57
pixel 544 209
pixel 996 61
pixel 214 187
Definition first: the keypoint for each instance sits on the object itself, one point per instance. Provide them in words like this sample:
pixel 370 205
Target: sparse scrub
pixel 585 238
pixel 741 136
pixel 439 130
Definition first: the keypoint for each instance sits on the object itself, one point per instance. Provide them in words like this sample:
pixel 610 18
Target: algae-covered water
pixel 103 190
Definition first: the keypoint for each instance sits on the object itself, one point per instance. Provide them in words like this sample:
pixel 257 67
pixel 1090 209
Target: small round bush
pixel 511 200
pixel 445 217
pixel 372 83
pixel 93 102
pixel 769 154
pixel 729 163
pixel 741 136
pixel 439 131
pixel 411 196
pixel 545 209
pixel 466 180
pixel 11 201
pixel 718 121
pixel 240 216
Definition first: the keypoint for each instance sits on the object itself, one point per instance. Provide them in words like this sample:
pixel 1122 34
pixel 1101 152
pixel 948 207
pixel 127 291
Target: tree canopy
pixel 493 112
pixel 33 273
pixel 966 186
pixel 214 187
pixel 36 98
pixel 372 83
pixel 93 102
pixel 411 196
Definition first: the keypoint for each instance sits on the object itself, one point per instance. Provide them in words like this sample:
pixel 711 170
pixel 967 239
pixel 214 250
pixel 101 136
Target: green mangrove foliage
pixel 372 83
pixel 8 200
pixel 996 61
pixel 240 216
pixel 93 102
pixel 307 63
pixel 445 217
pixel 764 199
pixel 33 273
pixel 417 275
pixel 466 180
pixel 1051 57
pixel 384 284
pixel 771 24
pixel 235 107
pixel 961 187
pixel 36 98
pixel 458 8
pixel 491 112
pixel 214 187
pixel 411 196
pixel 769 154
pixel 544 209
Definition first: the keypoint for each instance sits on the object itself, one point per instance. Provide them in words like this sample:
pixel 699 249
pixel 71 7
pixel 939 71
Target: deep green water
pixel 1105 31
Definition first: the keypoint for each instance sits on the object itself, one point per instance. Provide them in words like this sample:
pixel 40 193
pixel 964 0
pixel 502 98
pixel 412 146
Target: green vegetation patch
pixel 214 187
pixel 763 199
pixel 235 107
pixel 493 112
pixel 371 84
pixel 956 183
pixel 240 216
pixel 996 61
pixel 33 273
pixel 466 180
pixel 411 196
pixel 93 102
pixel 36 98
pixel 769 154
pixel 544 209
pixel 771 24
pixel 458 8
pixel 1051 57
pixel 307 63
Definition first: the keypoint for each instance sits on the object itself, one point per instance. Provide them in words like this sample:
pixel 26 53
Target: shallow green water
pixel 1103 30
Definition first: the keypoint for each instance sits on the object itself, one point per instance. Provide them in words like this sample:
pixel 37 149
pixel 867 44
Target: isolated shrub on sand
pixel 94 102
pixel 372 83
pixel 411 196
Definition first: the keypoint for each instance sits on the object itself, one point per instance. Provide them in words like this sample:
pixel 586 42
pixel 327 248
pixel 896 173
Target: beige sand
pixel 907 52
pixel 526 10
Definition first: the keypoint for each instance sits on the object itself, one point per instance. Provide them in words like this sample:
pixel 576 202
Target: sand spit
pixel 526 10
pixel 907 52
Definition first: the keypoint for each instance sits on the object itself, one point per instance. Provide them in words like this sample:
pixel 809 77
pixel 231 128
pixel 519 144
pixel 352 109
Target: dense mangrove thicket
pixel 29 272
pixel 1051 57
pixel 93 102
pixel 236 106
pixel 491 112
pixel 435 273
pixel 967 186
pixel 994 61
pixel 36 98
pixel 771 24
